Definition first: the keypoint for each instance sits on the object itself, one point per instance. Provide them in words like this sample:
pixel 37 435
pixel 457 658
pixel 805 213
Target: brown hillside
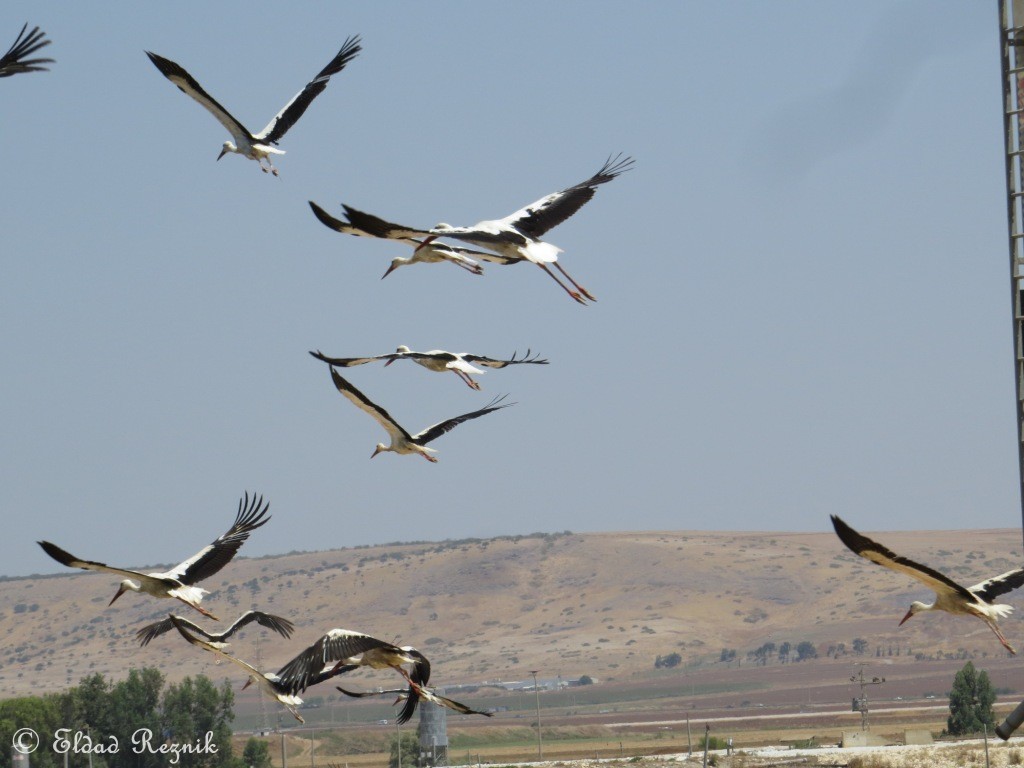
pixel 605 605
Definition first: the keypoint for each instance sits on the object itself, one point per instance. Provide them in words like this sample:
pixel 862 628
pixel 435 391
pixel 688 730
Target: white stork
pixel 516 237
pixel 437 360
pixel 180 580
pixel 267 682
pixel 419 693
pixel 280 625
pixel 258 146
pixel 949 596
pixel 14 62
pixel 433 253
pixel 336 652
pixel 342 650
pixel 401 440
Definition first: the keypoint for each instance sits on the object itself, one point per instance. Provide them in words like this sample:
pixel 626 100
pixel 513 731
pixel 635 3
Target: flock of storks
pixel 337 652
pixel 513 239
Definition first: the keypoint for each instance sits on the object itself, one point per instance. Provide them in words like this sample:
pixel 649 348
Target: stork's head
pixel 915 607
pixel 227 147
pixel 395 264
pixel 125 586
pixel 379 449
pixel 402 350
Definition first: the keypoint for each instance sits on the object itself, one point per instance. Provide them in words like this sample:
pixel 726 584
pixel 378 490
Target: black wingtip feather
pixel 14 62
pixel 58 554
pixel 325 218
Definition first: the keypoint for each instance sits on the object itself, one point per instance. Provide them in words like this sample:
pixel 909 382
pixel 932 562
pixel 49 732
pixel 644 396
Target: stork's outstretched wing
pixel 294 109
pixel 435 431
pixel 219 552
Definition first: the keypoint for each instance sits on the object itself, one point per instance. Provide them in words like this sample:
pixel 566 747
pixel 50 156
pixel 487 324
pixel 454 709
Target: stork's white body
pixel 439 361
pixel 517 236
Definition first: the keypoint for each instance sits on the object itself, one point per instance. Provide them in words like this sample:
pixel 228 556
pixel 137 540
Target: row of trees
pixel 784 652
pixel 133 723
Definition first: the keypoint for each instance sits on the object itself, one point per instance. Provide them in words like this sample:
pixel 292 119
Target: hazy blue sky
pixel 803 300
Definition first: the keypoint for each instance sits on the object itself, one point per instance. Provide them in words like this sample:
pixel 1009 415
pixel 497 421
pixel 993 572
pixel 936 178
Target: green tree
pixel 133 705
pixel 87 709
pixel 404 750
pixel 762 654
pixel 193 709
pixel 806 650
pixel 784 650
pixel 90 705
pixel 40 714
pixel 256 753
pixel 970 702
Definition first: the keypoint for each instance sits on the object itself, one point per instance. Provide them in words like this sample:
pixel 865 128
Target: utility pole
pixel 861 704
pixel 536 694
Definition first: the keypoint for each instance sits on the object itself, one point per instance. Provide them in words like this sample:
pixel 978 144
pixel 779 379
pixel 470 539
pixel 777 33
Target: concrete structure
pixel 862 739
pixel 433 733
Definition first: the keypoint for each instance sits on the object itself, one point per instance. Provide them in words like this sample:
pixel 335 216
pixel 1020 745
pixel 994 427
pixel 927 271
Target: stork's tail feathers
pixel 1001 610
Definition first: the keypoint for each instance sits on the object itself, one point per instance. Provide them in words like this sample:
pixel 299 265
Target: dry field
pixel 597 754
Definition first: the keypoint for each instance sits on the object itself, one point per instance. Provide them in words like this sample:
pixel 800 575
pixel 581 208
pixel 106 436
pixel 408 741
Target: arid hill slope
pixel 605 605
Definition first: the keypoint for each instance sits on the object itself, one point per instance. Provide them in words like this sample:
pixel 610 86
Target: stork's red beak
pixel 909 614
pixel 376 450
pixel 119 592
pixel 247 684
pixel 222 153
pixel 389 271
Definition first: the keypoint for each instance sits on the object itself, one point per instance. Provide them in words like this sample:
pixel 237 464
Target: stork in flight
pixel 267 682
pixel 516 237
pixel 436 360
pixel 419 693
pixel 282 626
pixel 343 650
pixel 258 146
pixel 434 253
pixel 401 440
pixel 179 582
pixel 336 652
pixel 14 62
pixel 949 596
